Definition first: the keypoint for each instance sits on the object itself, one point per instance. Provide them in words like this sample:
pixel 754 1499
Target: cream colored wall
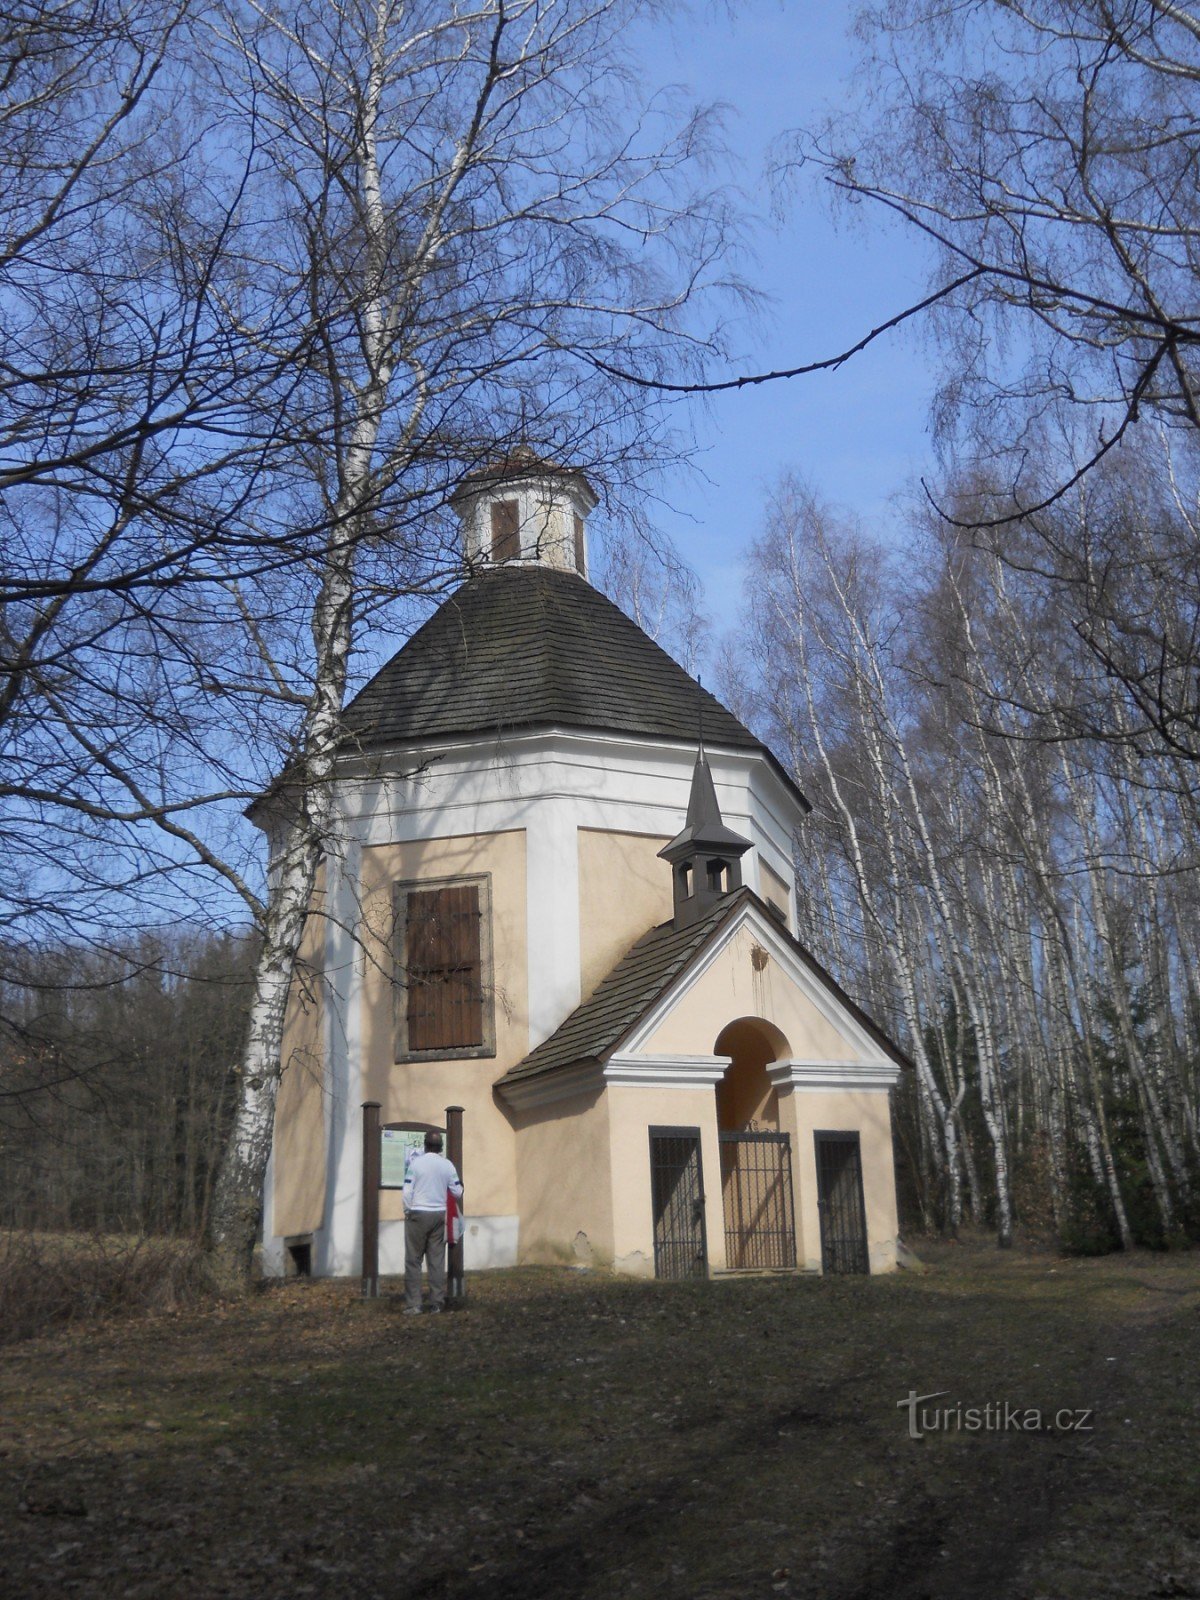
pixel 624 891
pixel 420 1091
pixel 746 1095
pixel 632 1113
pixel 804 1112
pixel 775 889
pixel 739 984
pixel 299 1140
pixel 564 1184
pixel 734 987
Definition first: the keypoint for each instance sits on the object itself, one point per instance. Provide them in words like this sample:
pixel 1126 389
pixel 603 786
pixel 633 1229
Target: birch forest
pixel 1002 857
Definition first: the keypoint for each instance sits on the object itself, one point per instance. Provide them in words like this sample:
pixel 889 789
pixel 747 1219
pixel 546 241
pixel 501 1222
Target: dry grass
pixel 571 1437
pixel 49 1279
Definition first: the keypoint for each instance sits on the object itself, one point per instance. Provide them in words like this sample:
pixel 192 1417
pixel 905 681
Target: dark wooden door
pixel 840 1203
pixel 677 1195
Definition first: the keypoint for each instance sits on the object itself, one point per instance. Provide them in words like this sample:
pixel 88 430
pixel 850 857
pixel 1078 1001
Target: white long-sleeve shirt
pixel 428 1180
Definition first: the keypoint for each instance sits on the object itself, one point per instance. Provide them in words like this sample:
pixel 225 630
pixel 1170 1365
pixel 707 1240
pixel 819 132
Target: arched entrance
pixel 756 1158
pixel 746 1098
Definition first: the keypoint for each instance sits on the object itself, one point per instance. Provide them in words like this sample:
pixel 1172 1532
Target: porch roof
pixel 597 1027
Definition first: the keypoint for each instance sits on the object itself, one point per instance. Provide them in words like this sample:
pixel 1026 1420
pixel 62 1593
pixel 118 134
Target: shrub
pixel 47 1280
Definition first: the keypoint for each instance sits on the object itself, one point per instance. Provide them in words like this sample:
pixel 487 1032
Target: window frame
pixel 499 511
pixel 482 882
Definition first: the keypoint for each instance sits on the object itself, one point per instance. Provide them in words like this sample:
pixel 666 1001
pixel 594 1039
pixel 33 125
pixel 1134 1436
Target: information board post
pixel 388 1150
pixel 370 1200
pixel 455 1283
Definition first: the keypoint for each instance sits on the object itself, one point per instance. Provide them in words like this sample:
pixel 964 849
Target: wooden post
pixel 370 1200
pixel 456 1292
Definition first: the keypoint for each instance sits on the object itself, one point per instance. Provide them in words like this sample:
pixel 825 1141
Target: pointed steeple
pixel 706 856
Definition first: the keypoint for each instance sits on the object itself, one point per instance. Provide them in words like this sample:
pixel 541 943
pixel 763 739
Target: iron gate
pixel 756 1187
pixel 840 1203
pixel 677 1191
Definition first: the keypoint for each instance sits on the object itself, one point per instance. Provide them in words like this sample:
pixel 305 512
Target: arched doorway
pixel 756 1158
pixel 746 1098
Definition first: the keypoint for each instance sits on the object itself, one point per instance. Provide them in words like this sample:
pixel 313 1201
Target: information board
pixel 397 1148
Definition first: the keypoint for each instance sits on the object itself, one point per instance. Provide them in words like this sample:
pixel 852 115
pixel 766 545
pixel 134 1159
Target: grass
pixel 572 1435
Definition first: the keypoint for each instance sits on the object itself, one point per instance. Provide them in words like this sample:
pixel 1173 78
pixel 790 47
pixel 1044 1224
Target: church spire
pixel 706 857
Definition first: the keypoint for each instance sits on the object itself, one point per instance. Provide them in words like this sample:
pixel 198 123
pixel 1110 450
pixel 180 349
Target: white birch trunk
pixel 309 829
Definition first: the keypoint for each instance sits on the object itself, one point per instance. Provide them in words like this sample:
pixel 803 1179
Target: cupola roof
pixel 517 464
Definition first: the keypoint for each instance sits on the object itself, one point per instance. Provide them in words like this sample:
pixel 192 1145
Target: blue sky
pixel 858 435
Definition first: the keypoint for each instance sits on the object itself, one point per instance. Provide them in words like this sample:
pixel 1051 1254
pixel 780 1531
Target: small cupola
pixel 521 507
pixel 706 858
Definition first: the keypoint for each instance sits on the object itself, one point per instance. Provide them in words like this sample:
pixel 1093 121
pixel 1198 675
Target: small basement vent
pixel 299 1256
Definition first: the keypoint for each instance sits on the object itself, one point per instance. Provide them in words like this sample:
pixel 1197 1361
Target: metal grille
pixel 756 1186
pixel 677 1191
pixel 840 1203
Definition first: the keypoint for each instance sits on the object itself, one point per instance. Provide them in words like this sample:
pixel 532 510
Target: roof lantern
pixel 706 857
pixel 521 507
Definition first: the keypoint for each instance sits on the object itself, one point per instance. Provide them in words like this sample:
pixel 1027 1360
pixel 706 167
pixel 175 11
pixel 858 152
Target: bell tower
pixel 522 508
pixel 706 857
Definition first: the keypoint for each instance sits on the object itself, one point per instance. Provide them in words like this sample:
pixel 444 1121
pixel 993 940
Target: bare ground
pixel 570 1435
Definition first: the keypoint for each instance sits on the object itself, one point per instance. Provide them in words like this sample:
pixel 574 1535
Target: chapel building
pixel 560 896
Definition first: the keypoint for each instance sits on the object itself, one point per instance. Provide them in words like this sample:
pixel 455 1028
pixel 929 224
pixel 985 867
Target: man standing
pixel 430 1177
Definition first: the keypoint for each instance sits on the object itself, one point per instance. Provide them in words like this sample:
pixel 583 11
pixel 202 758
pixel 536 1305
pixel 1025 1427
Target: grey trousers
pixel 425 1235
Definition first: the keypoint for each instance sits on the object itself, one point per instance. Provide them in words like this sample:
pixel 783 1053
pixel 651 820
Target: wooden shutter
pixel 579 545
pixel 506 530
pixel 444 969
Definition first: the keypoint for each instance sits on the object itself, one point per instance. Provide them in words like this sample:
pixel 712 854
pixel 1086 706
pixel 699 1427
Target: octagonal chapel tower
pixel 511 798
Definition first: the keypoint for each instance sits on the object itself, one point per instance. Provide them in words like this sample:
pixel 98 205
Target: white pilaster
pixel 273 1264
pixel 826 1075
pixel 552 866
pixel 338 1246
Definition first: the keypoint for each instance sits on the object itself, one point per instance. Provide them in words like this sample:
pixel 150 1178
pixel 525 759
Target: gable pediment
pixel 751 968
pixel 672 994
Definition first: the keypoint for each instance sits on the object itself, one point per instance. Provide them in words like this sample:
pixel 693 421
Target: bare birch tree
pixel 469 200
pixel 276 276
pixel 1015 898
pixel 1046 152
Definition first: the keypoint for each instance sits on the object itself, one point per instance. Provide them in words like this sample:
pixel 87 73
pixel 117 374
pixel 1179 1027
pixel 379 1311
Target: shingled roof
pixel 595 1028
pixel 526 646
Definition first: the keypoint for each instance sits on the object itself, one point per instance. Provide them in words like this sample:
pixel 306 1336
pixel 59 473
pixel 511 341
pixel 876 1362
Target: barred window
pixel 443 962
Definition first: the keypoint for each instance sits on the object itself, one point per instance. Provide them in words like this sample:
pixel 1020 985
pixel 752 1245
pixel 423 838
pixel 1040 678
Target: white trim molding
pixel 564 1083
pixel 873 1075
pixel 665 1072
pixel 613 782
